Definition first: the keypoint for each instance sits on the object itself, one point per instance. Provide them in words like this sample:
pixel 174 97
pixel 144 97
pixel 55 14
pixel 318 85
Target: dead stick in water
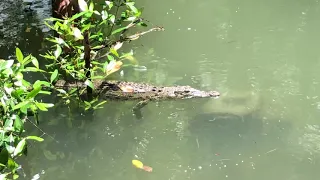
pixel 271 151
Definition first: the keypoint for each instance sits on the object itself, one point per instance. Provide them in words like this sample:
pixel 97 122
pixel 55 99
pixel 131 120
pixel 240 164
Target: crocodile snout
pixel 199 93
pixel 215 94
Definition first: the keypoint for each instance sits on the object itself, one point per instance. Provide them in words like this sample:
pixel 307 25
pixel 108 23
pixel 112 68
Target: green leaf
pixel 143 24
pixel 18 124
pixel 96 12
pixel 61 41
pixel 48 56
pixel 126 54
pixel 111 58
pixel 89 83
pixel 23 103
pixel 91 6
pixel 33 93
pixel 36 138
pixel 6 64
pixel 48 25
pixel 19 56
pixel 32 69
pixel 140 12
pixel 54 75
pixel 131 6
pixel 35 62
pixel 39 83
pixel 7 72
pixel 112 18
pixel 43 106
pixel 19 76
pixel 24 109
pixel 98 105
pixel 118 30
pixel 109 4
pixel 3 176
pixel 83 5
pixel 104 15
pixel 76 16
pixel 45 92
pixel 48 105
pixel 8 125
pixel 57 52
pixel 88 105
pixel 86 27
pixel 4 156
pixel 15 176
pixel 26 83
pixel 114 51
pixel 97 47
pixel 9 148
pixel 27 60
pixel 61 91
pixel 54 19
pixel 77 33
pixel 21 145
pixel 12 165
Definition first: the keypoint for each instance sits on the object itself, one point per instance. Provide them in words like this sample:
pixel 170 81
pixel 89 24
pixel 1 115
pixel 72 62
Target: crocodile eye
pixel 153 89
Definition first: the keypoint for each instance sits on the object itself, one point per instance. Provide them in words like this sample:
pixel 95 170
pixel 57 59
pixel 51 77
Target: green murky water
pixel 261 55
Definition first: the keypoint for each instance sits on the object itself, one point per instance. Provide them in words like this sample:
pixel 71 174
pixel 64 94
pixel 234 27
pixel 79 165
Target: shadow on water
pixel 233 146
pixel 224 131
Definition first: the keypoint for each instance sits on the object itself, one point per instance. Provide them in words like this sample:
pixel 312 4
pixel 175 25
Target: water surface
pixel 265 53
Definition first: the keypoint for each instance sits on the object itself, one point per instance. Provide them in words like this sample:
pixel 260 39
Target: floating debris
pixel 271 151
pixel 138 164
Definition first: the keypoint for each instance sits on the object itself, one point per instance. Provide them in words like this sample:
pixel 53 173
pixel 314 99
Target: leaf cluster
pixel 17 100
pixel 95 32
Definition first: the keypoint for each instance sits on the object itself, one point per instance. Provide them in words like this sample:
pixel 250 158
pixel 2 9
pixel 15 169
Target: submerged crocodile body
pixel 122 90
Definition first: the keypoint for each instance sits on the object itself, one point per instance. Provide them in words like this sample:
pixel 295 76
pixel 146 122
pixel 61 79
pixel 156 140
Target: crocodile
pixel 123 90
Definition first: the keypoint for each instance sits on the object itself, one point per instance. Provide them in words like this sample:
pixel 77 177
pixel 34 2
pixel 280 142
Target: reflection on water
pixel 21 24
pixel 265 48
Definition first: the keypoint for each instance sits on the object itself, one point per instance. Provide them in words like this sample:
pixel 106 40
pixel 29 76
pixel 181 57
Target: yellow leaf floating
pixel 137 164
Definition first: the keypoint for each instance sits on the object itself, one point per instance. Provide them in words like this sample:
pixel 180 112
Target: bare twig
pixel 44 133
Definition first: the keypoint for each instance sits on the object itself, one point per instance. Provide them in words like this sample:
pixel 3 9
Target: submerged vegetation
pixel 88 47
